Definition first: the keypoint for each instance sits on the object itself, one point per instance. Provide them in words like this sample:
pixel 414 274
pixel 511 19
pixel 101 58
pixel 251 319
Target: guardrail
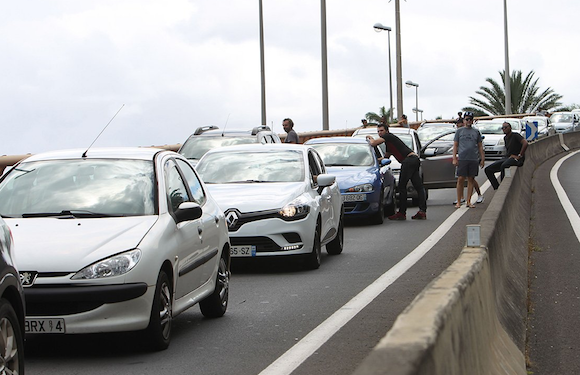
pixel 471 319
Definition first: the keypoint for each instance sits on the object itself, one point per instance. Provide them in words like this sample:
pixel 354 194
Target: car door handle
pixel 199 230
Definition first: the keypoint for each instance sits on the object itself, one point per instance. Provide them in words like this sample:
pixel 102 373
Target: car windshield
pixel 83 188
pixel 344 154
pixel 252 167
pixel 561 117
pixel 431 132
pixel 489 127
pixel 196 147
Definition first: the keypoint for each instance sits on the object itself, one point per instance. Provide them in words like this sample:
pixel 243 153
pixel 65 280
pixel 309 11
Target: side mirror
pixel 324 180
pixel 188 211
pixel 429 152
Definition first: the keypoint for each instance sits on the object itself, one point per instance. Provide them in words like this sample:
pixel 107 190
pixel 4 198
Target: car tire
pixel 216 304
pixel 11 340
pixel 313 259
pixel 335 246
pixel 391 208
pixel 159 330
pixel 379 216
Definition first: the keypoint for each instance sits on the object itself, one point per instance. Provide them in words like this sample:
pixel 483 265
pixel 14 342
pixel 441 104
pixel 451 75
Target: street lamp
pixel 416 86
pixel 378 28
pixel 420 111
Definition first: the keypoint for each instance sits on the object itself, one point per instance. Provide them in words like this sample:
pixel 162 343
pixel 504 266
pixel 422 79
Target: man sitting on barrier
pixel 515 146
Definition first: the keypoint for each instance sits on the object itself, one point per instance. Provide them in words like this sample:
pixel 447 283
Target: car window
pixel 252 167
pixel 344 154
pixel 489 127
pixel 197 193
pixel 175 187
pixel 314 168
pixel 107 187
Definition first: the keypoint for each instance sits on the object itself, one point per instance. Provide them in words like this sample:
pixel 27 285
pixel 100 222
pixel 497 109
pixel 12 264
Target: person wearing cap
pixel 516 146
pixel 410 164
pixel 480 198
pixel 291 136
pixel 467 154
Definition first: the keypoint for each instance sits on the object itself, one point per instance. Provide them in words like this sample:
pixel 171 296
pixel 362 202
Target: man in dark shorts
pixel 515 146
pixel 468 155
pixel 410 164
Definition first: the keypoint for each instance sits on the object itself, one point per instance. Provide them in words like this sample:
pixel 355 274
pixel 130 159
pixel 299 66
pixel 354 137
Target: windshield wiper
pixel 68 214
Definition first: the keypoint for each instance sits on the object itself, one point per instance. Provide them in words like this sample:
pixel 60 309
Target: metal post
pixel 390 81
pixel 324 66
pixel 399 66
pixel 507 83
pixel 262 66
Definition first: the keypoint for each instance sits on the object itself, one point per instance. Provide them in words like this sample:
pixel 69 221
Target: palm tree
pixel 383 116
pixel 525 94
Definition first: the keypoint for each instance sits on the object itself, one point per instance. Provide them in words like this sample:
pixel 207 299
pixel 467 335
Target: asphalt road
pixel 274 304
pixel 553 325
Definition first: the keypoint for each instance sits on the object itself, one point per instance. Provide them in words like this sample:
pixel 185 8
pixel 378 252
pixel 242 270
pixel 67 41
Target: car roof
pixel 268 147
pixel 142 153
pixel 336 140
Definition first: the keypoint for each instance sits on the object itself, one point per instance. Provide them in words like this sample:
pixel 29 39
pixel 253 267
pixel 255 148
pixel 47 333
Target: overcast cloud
pixel 67 66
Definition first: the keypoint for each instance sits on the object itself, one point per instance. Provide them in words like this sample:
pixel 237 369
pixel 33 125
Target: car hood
pixel 492 139
pixel 68 245
pixel 255 196
pixel 562 125
pixel 348 177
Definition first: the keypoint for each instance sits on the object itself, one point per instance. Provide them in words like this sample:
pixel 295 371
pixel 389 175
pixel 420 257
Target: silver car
pixel 120 239
pixel 278 200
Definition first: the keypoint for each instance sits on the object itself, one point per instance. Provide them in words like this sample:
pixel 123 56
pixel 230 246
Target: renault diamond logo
pixel 232 218
pixel 27 278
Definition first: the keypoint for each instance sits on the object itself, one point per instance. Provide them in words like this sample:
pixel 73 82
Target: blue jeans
pixel 500 166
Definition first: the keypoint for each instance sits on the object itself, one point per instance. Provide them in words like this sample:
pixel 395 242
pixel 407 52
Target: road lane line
pixel 563 197
pixel 304 348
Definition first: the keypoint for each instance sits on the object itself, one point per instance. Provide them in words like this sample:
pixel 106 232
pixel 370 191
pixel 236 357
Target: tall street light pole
pixel 262 66
pixel 507 83
pixel 324 65
pixel 378 28
pixel 416 86
pixel 399 66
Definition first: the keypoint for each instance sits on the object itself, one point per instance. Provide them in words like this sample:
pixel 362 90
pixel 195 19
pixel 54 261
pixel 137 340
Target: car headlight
pixel 364 188
pixel 113 266
pixel 500 142
pixel 297 209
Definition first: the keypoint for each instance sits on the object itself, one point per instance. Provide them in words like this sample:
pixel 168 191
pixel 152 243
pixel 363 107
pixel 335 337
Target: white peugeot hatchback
pixel 278 200
pixel 115 239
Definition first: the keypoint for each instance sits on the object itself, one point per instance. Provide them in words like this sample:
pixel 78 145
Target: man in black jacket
pixel 515 146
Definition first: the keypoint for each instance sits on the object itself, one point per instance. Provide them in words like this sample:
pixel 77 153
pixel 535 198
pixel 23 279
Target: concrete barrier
pixel 472 318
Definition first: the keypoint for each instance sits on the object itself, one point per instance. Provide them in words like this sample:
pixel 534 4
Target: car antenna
pixel 91 145
pixel 226 124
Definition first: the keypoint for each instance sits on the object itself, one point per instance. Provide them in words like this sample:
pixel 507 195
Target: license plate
pixel 32 325
pixel 354 197
pixel 243 251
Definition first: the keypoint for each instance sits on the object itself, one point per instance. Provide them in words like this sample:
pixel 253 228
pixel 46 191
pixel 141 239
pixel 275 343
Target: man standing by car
pixel 410 164
pixel 515 146
pixel 480 198
pixel 466 144
pixel 291 136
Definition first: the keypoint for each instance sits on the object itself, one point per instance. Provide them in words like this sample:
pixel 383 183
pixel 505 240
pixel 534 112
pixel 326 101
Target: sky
pixel 68 66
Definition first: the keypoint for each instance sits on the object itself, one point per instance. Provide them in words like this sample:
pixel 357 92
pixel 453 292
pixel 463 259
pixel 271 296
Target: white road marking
pixel 304 348
pixel 564 200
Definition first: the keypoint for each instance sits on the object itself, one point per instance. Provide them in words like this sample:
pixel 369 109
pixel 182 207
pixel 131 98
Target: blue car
pixel 365 179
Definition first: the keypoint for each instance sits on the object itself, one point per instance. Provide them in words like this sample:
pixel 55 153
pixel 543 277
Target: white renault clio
pixel 115 239
pixel 278 200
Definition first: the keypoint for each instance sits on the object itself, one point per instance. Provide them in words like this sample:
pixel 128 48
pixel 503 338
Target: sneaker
pixel 480 199
pixel 398 216
pixel 462 201
pixel 421 215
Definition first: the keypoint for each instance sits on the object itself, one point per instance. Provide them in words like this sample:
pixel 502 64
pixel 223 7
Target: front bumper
pixel 276 237
pixel 91 309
